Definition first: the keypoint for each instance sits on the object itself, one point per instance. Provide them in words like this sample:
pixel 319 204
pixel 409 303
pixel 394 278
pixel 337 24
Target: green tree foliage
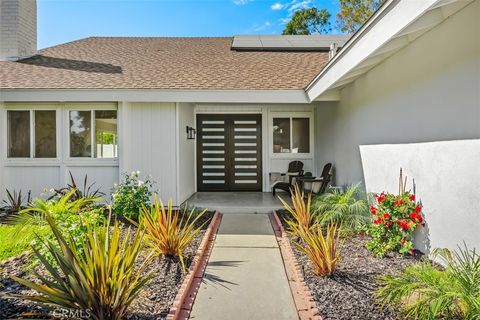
pixel 354 13
pixel 308 21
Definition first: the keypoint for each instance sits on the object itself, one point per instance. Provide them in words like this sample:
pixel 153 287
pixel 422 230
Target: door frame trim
pixel 256 109
pixel 263 143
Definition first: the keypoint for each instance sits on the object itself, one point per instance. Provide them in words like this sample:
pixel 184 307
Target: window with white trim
pixel 97 126
pixel 291 135
pixel 31 134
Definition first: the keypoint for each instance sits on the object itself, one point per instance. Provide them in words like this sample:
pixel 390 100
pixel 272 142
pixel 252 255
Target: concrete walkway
pixel 245 277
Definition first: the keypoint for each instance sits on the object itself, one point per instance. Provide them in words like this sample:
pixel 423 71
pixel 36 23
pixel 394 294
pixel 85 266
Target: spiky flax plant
pixel 300 210
pixel 102 280
pixel 169 231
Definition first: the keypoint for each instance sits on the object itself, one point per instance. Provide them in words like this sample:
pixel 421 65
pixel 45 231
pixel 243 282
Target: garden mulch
pixel 348 293
pixel 153 302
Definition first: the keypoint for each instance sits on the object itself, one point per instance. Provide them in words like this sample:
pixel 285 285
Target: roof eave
pixel 156 95
pixel 395 25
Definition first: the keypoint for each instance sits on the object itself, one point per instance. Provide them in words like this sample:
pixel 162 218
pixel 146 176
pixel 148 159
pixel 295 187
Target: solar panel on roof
pixel 287 42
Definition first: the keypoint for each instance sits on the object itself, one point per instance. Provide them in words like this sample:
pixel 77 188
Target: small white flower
pixel 138 173
pixel 140 183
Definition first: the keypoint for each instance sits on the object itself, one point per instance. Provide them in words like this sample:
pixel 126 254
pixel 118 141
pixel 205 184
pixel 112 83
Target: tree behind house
pixel 308 21
pixel 354 13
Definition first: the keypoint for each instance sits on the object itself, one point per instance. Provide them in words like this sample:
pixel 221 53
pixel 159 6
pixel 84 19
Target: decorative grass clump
pixel 424 291
pixel 320 247
pixel 170 232
pixel 301 210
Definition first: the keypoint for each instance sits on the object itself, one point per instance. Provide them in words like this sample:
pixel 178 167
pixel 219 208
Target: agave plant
pixel 322 249
pixel 101 280
pixel 301 210
pixel 169 231
pixel 348 209
pixel 424 291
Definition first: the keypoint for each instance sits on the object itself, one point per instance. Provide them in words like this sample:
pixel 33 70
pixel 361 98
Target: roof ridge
pixel 162 37
pixel 127 37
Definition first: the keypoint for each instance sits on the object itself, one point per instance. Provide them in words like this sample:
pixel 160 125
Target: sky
pixel 60 21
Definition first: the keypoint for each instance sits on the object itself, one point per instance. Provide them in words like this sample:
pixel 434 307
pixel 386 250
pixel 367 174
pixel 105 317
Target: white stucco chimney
pixel 18 29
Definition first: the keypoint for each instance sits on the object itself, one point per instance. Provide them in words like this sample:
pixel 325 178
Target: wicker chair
pixel 295 170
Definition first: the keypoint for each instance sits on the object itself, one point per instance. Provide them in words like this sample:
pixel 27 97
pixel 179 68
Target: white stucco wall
pixel 428 91
pixel 447 178
pixel 148 140
pixel 417 110
pixel 185 151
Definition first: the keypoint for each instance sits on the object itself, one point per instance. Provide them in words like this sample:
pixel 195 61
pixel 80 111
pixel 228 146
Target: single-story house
pixel 221 114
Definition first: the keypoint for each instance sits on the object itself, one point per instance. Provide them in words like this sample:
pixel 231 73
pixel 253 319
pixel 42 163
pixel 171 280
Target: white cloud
pixel 277 6
pixel 264 26
pixel 294 5
pixel 241 2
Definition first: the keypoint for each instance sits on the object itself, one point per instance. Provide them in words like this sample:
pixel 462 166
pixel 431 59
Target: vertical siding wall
pixel 186 152
pixel 38 175
pixel 148 139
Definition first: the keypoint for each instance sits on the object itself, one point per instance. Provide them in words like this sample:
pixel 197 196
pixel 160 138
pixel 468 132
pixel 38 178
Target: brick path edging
pixel 304 303
pixel 182 305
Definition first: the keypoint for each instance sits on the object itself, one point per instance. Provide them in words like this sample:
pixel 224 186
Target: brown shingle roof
pixel 154 63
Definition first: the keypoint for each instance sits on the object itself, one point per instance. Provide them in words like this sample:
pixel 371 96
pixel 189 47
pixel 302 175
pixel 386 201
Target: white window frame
pixel 92 107
pixel 31 109
pixel 291 115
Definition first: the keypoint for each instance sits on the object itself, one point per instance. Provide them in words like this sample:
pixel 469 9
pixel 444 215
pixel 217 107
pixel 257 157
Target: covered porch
pixel 237 202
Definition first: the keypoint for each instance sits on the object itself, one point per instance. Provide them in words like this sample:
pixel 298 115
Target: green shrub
pixel 71 216
pixel 395 219
pixel 131 194
pixel 348 210
pixel 424 291
pixel 102 281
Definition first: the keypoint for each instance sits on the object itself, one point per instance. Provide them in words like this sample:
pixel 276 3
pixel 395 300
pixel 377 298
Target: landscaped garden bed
pixel 355 259
pixel 348 292
pixel 139 263
pixel 153 302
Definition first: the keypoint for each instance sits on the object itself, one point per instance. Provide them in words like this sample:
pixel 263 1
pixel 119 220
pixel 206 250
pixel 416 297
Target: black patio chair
pixel 320 184
pixel 295 170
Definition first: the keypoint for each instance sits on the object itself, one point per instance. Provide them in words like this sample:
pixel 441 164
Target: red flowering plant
pixel 395 218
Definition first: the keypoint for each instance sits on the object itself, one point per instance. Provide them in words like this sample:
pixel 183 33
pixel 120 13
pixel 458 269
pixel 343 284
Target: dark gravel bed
pixel 347 294
pixel 153 302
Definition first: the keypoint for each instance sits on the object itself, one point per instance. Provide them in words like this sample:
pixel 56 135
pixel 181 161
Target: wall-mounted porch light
pixel 191 133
